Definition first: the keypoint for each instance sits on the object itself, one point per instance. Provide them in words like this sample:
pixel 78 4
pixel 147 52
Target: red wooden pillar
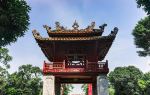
pixel 89 89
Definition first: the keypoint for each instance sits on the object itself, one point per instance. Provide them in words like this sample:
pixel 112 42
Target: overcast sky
pixel 123 14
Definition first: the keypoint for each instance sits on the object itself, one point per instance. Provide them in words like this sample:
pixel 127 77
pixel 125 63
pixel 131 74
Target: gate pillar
pixel 102 85
pixel 57 86
pixel 48 85
pixel 94 88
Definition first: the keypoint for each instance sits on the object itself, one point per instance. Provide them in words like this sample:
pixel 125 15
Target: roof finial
pixel 102 27
pixel 114 32
pixel 91 27
pixel 47 28
pixel 75 25
pixel 36 34
pixel 58 27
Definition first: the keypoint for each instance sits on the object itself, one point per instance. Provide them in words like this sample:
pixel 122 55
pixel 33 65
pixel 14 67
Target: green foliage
pixel 3 80
pixel 141 31
pixel 144 84
pixel 14 20
pixel 85 88
pixel 4 57
pixel 27 81
pixel 66 88
pixel 125 80
pixel 141 35
pixel 111 90
pixel 145 4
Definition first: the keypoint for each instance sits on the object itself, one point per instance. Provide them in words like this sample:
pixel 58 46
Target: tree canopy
pixel 125 80
pixel 141 34
pixel 144 84
pixel 5 57
pixel 27 81
pixel 14 20
pixel 3 80
pixel 145 4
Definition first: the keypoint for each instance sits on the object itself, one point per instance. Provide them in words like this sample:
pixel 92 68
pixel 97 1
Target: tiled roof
pixel 63 35
pixel 38 37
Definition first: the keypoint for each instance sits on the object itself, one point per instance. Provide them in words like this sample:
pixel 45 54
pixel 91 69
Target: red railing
pixel 88 66
pixel 96 66
pixel 57 65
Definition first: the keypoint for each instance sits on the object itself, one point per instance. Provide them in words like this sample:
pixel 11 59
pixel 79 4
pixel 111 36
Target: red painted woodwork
pixel 75 55
pixel 85 67
pixel 89 89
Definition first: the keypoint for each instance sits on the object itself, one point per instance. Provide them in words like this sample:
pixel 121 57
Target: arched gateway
pixel 75 57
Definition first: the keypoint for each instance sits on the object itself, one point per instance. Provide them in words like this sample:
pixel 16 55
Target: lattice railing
pixel 75 64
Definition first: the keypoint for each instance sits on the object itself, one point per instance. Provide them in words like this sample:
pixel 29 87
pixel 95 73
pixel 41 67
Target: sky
pixel 123 14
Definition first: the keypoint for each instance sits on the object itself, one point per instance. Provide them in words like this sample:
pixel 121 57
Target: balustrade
pixel 56 65
pixel 88 66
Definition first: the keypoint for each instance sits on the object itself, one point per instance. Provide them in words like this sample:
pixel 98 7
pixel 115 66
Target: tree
pixel 145 4
pixel 14 20
pixel 3 80
pixel 111 90
pixel 141 31
pixel 144 84
pixel 125 80
pixel 5 57
pixel 85 88
pixel 66 89
pixel 27 81
pixel 141 35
